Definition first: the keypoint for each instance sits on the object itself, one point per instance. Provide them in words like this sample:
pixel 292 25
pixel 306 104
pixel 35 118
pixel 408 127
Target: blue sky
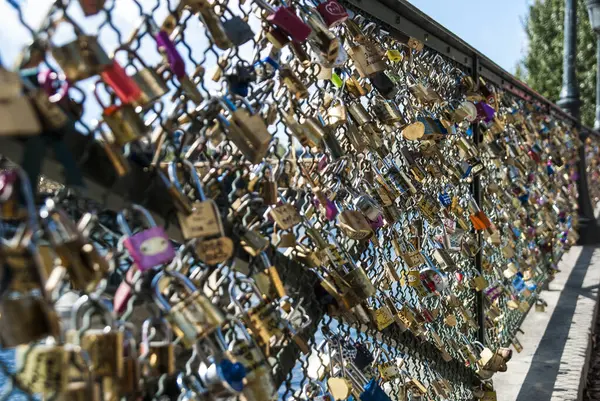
pixel 492 27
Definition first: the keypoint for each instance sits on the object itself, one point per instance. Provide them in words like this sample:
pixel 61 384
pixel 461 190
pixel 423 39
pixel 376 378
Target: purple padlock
pixel 485 112
pixel 175 60
pixel 150 247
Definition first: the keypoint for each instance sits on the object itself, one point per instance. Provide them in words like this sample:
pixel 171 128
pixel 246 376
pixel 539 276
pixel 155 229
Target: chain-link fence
pixel 331 207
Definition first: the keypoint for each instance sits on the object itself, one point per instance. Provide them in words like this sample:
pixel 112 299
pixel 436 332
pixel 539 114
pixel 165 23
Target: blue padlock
pixel 372 391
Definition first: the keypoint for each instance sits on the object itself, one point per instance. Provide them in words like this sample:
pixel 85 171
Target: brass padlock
pixel 158 356
pixel 354 224
pixel 194 316
pixel 82 58
pixel 85 266
pixel 246 129
pixel 103 345
pixel 26 318
pixel 264 319
pixel 42 368
pixel 124 121
pixel 204 221
pixel 151 84
pixel 260 384
pixel 336 114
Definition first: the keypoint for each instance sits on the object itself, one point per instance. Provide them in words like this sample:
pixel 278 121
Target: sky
pixel 494 28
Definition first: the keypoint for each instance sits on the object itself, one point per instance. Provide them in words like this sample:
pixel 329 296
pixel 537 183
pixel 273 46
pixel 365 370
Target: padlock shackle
pixel 232 291
pixel 159 298
pixel 122 220
pixel 90 301
pixel 155 322
pixel 172 169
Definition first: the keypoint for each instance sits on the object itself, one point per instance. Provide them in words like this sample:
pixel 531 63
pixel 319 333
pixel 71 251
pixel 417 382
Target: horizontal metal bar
pixel 406 19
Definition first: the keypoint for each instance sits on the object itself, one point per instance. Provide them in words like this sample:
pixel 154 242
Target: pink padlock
pixel 150 247
pixel 287 20
pixel 333 13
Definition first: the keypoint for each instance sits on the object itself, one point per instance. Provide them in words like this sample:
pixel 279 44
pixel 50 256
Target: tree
pixel 541 68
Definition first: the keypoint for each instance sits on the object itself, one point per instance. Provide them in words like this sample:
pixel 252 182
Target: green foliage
pixel 542 68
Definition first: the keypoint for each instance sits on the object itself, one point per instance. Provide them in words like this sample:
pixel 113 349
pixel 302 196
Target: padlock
pixel 320 394
pixel 219 375
pixel 16 109
pixel 354 224
pixel 104 346
pixel 389 370
pixel 285 216
pixel 217 30
pixel 332 12
pixel 387 111
pixel 85 265
pixel 91 7
pixel 128 385
pixel 82 58
pixel 23 267
pixel 293 83
pixel 286 19
pixel 151 84
pixel 336 114
pixel 204 221
pixel 540 305
pixel 124 121
pixel 260 384
pixel 124 86
pixel 158 355
pixel 43 367
pixel 166 47
pixel 246 129
pixel 194 316
pixel 264 319
pixel 321 38
pixel 444 260
pixel 150 247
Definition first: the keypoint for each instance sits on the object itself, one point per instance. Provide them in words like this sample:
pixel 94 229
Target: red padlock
pixel 333 13
pixel 121 83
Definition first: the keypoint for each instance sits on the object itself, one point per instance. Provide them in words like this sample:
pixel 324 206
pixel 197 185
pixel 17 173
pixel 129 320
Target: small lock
pixel 86 266
pixel 286 19
pixel 260 384
pixel 152 86
pixel 82 58
pixel 336 114
pixel 194 316
pixel 158 355
pixel 124 121
pixel 42 368
pixel 368 58
pixel 354 224
pixel 204 221
pixel 246 129
pixel 332 12
pixel 264 319
pixel 104 346
pixel 150 247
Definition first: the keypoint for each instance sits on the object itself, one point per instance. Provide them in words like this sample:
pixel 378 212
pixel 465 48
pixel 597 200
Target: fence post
pixel 589 232
pixel 476 193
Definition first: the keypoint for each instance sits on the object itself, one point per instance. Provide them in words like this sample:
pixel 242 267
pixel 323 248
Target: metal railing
pixel 438 346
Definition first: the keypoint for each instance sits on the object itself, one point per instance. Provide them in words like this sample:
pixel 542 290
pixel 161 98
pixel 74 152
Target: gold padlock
pixel 103 345
pixel 158 356
pixel 84 263
pixel 194 316
pixel 81 58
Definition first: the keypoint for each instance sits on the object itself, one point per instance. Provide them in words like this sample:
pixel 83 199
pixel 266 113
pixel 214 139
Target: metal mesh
pixel 526 186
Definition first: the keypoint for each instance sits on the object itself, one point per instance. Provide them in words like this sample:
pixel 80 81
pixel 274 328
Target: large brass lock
pixel 194 316
pixel 354 224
